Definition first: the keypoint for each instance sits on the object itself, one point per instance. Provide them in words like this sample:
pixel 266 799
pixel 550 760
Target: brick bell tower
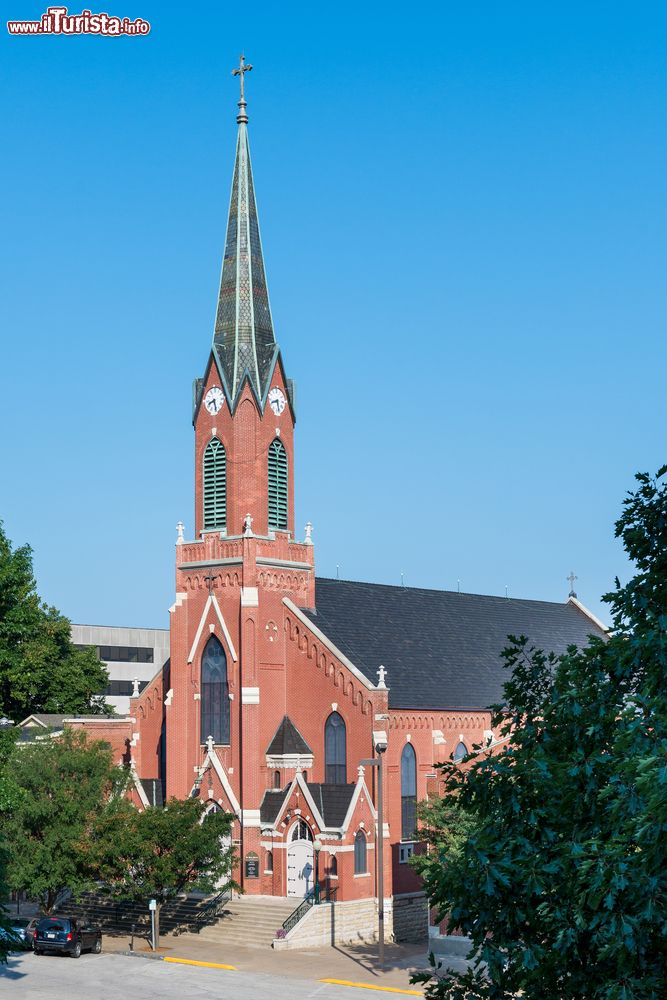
pixel 228 658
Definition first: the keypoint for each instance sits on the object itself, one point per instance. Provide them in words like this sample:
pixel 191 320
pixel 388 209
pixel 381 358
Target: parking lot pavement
pixel 118 977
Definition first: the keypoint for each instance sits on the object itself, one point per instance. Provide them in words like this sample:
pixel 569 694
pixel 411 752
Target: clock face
pixel 277 400
pixel 214 400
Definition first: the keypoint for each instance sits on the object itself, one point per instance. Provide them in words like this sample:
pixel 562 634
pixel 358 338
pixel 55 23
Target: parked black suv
pixel 67 936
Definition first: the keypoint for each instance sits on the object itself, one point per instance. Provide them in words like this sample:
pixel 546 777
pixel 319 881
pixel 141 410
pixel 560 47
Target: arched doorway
pixel 300 868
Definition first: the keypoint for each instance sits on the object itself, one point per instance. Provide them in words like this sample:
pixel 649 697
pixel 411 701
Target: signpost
pixel 152 906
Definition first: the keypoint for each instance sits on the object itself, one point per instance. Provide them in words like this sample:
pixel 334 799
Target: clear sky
pixel 463 216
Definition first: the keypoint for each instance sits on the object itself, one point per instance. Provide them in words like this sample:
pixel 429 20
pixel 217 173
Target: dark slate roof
pixel 47 719
pixel 287 740
pixel 332 801
pixel 271 804
pixel 441 649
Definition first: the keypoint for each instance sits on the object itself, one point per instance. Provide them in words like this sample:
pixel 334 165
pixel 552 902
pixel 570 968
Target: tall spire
pixel 243 338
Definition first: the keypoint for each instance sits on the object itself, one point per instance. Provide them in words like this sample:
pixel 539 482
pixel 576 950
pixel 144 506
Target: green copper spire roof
pixel 243 339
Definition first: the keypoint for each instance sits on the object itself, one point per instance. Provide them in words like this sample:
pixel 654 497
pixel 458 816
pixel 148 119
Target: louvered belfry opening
pixel 215 485
pixel 277 485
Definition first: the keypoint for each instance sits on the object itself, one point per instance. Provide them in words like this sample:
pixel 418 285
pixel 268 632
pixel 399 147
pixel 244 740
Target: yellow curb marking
pixel 206 965
pixel 370 986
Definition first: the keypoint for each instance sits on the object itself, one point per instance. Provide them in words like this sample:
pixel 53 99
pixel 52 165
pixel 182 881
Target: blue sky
pixel 462 211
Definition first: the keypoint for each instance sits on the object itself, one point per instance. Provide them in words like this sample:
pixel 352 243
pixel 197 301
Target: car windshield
pixel 52 924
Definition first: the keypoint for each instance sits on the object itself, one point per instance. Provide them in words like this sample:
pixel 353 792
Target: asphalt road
pixel 120 977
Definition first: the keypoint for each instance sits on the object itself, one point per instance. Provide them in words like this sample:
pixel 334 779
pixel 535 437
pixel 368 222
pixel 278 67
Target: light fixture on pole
pixel 380 742
pixel 317 844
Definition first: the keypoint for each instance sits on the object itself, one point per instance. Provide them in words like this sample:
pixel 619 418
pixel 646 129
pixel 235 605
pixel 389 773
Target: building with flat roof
pixel 130 654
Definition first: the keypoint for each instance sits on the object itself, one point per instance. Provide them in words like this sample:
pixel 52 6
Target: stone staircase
pixel 250 921
pixel 180 915
pixel 246 920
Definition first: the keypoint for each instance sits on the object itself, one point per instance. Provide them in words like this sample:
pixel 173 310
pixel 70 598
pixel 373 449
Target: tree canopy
pixel 161 852
pixel 40 669
pixel 561 879
pixel 63 785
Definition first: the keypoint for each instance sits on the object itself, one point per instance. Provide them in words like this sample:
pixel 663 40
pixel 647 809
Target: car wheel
pixel 97 947
pixel 37 951
pixel 76 951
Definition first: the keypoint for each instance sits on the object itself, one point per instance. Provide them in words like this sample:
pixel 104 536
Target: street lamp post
pixel 380 740
pixel 317 844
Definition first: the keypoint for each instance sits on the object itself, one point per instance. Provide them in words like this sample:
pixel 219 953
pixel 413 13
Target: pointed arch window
pixel 277 485
pixel 214 693
pixel 408 793
pixel 335 750
pixel 360 854
pixel 460 752
pixel 215 485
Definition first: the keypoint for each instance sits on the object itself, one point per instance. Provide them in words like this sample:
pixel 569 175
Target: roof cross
pixel 571 578
pixel 242 69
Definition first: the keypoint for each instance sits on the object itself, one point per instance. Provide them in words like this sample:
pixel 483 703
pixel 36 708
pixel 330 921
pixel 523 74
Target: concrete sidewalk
pixel 352 963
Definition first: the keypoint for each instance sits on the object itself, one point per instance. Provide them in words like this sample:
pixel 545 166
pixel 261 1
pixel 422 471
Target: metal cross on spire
pixel 571 578
pixel 241 70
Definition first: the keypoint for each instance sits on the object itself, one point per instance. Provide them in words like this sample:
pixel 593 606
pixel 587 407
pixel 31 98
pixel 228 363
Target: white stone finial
pixel 209 744
pixel 247 526
pixel 361 771
pixel 180 528
pixel 135 687
pixel 308 540
pixel 382 673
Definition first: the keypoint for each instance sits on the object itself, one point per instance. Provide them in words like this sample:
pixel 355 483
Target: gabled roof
pixel 441 649
pixel 332 801
pixel 45 720
pixel 287 740
pixel 271 804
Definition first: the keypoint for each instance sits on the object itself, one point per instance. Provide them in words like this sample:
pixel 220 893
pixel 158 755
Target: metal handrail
pixel 326 895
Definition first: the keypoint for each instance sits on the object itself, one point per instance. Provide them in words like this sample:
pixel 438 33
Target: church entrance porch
pixel 300 858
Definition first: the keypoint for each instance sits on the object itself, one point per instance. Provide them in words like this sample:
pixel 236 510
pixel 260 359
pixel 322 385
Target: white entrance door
pixel 300 870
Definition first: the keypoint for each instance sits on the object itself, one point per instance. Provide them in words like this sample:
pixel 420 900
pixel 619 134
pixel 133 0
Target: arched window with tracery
pixel 215 484
pixel 278 501
pixel 460 752
pixel 360 853
pixel 408 793
pixel 335 750
pixel 301 831
pixel 214 693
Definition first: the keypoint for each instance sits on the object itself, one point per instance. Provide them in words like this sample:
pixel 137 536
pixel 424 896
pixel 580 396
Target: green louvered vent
pixel 215 485
pixel 277 485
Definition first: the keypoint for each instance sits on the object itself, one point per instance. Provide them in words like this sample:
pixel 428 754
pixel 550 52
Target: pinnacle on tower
pixel 243 338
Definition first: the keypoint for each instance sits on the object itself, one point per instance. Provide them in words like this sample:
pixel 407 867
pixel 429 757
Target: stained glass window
pixel 335 750
pixel 360 854
pixel 408 793
pixel 214 693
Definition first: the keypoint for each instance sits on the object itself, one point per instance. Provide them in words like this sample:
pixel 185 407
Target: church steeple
pixel 243 340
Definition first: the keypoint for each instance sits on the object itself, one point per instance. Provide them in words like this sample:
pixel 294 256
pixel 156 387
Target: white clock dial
pixel 277 400
pixel 214 400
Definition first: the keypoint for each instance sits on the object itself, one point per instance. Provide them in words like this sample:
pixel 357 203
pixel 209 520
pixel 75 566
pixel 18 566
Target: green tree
pixel 9 796
pixel 562 881
pixel 40 669
pixel 64 784
pixel 161 852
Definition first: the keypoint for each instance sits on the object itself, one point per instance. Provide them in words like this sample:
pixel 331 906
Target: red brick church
pixel 280 683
